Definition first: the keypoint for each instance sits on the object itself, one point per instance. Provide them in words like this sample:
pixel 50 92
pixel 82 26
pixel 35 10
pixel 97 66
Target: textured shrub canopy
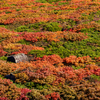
pixel 62 41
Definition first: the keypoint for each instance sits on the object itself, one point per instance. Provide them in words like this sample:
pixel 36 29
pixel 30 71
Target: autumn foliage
pixel 61 40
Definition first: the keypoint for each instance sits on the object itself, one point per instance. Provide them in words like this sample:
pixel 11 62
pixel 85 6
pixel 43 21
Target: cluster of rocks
pixel 21 57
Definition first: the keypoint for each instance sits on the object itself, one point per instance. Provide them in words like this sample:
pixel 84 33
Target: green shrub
pixel 37 53
pixel 63 3
pixel 20 85
pixel 36 25
pixel 67 23
pixel 49 26
pixel 18 9
pixel 23 29
pixel 8 12
pixel 24 42
pixel 42 1
pixel 50 1
pixel 3 58
pixel 52 26
pixel 36 86
pixel 95 77
pixel 74 67
pixel 29 84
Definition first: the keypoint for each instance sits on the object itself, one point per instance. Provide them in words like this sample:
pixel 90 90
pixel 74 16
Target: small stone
pixel 11 77
pixel 21 57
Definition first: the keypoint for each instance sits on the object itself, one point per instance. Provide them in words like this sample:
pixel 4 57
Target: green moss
pixel 74 67
pixel 8 12
pixel 41 26
pixel 42 1
pixel 3 58
pixel 13 4
pixel 52 26
pixel 24 42
pixel 23 29
pixel 29 85
pixel 20 85
pixel 50 1
pixel 36 86
pixel 2 25
pixel 45 1
pixel 95 77
pixel 64 49
pixel 18 9
pixel 67 23
pixel 2 77
pixel 37 53
pixel 37 25
pixel 63 3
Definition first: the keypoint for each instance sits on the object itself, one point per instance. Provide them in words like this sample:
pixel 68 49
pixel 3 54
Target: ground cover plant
pixel 61 40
